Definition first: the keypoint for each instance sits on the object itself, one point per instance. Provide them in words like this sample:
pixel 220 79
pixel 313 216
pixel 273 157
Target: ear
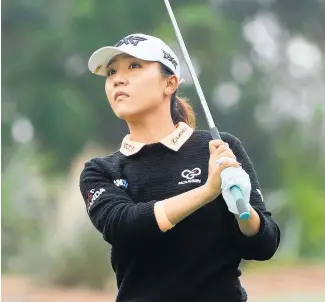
pixel 172 85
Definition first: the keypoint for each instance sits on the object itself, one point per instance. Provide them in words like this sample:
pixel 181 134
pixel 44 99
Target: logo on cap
pixel 169 58
pixel 134 40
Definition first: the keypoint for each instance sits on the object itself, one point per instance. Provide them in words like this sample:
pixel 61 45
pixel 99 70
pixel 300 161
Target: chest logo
pixel 190 176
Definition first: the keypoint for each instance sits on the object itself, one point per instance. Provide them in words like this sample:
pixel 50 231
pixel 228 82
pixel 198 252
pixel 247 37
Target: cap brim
pixel 99 59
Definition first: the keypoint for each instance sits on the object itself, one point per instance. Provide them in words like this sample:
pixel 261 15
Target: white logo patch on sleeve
pixel 93 195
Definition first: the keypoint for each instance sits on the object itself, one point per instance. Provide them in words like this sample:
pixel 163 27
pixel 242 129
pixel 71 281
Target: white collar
pixel 173 141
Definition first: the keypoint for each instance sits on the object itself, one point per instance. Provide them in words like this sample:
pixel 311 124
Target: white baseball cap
pixel 141 46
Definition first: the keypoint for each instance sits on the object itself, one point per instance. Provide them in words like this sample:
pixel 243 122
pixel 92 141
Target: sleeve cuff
pixel 147 223
pixel 260 234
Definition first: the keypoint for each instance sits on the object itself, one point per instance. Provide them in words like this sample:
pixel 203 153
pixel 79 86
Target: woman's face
pixel 134 87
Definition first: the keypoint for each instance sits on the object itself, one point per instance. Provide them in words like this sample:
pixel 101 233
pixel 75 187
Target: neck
pixel 152 128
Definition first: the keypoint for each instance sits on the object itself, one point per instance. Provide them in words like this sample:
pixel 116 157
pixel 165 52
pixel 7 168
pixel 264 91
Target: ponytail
pixel 180 109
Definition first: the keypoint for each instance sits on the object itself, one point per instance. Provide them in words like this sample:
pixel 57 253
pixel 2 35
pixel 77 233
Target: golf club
pixel 244 213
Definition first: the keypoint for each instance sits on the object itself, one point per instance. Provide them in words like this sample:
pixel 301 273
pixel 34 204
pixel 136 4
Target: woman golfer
pixel 161 201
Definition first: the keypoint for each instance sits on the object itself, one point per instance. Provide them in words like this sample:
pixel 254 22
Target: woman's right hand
pixel 218 149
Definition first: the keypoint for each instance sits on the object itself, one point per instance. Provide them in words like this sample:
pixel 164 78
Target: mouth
pixel 120 94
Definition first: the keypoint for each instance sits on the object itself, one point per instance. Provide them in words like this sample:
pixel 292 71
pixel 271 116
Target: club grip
pixel 214 133
pixel 244 213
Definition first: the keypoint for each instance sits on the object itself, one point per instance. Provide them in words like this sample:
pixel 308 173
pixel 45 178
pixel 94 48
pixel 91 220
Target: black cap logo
pixel 168 57
pixel 134 40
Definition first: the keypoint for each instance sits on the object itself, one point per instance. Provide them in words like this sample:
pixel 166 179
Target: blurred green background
pixel 261 66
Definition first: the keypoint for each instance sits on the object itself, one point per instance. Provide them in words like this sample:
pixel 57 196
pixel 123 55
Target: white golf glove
pixel 234 176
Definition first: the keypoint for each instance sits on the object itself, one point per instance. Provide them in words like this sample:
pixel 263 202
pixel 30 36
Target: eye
pixel 111 72
pixel 134 65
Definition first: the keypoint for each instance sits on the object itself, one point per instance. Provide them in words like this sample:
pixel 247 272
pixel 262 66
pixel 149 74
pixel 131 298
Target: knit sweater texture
pixel 197 260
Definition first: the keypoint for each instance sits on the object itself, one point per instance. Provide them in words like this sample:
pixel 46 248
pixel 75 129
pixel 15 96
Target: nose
pixel 119 80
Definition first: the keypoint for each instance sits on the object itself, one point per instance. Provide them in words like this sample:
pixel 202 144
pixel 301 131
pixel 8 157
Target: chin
pixel 129 115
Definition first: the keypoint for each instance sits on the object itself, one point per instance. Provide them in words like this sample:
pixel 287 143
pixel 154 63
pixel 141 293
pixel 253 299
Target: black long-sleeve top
pixel 197 260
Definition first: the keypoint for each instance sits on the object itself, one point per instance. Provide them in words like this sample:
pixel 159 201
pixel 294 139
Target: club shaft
pixel 190 67
pixel 236 192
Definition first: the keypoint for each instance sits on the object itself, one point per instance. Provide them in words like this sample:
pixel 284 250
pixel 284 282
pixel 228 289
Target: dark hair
pixel 180 109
